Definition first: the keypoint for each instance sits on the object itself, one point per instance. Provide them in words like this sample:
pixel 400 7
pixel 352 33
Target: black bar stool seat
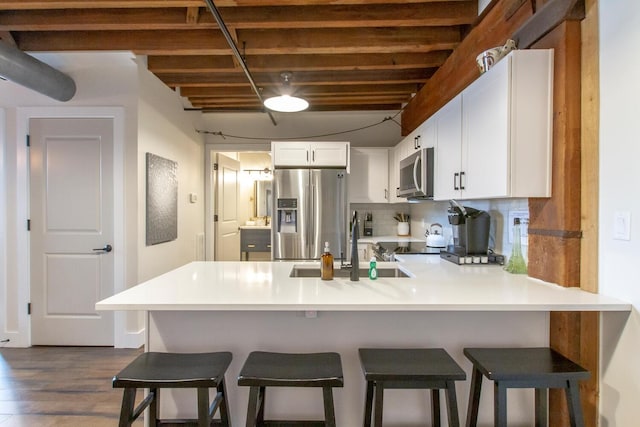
pixel 410 368
pixel 174 370
pixel 540 368
pixel 267 369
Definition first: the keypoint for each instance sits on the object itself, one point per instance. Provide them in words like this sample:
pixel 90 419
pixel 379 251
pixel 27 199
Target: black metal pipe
pixel 227 35
pixel 27 71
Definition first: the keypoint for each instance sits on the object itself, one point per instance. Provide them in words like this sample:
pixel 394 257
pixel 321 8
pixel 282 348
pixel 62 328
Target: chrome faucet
pixel 355 263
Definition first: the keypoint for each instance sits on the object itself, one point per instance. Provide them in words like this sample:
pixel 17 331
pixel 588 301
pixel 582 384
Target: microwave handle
pixel 415 173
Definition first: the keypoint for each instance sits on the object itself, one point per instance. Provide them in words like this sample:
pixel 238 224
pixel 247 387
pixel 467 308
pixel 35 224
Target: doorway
pixel 252 197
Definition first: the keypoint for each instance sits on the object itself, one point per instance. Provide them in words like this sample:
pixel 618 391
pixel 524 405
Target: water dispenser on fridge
pixel 287 216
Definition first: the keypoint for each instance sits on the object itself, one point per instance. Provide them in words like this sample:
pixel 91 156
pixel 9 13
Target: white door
pixel 71 175
pixel 227 230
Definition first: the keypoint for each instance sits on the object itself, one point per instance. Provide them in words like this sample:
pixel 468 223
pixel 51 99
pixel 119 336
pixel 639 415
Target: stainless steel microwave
pixel 416 175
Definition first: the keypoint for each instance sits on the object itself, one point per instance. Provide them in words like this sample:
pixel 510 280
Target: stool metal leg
pixel 368 404
pixel 377 421
pixel 541 405
pixel 435 407
pixel 572 392
pixel 329 413
pixel 452 405
pixel 500 405
pixel 474 398
pixel 126 411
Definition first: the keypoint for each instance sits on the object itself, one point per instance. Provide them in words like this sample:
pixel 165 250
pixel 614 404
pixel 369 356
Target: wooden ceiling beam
pixel 315 78
pixel 445 13
pixel 351 16
pixel 350 40
pixel 307 90
pixel 103 4
pixel 271 42
pixel 275 63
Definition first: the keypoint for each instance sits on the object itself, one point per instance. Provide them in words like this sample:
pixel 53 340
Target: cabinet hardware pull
pixel 251 246
pixel 386 194
pixel 418 138
pixel 455 181
pixel 461 175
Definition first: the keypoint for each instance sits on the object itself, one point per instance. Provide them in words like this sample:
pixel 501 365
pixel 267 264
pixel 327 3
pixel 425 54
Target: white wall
pixel 166 130
pixel 619 183
pixel 361 129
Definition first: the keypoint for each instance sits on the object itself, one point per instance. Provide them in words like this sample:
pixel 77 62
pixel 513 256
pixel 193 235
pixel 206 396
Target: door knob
pixel 106 249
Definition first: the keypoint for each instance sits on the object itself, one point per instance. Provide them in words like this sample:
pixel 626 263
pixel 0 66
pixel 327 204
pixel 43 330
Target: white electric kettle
pixel 435 238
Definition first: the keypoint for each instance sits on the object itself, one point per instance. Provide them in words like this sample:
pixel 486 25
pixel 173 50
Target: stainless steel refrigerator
pixel 310 209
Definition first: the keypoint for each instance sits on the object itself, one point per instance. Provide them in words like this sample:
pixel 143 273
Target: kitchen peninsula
pixel 245 306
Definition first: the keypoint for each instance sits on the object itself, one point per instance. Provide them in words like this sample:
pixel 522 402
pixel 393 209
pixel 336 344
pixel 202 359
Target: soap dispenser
pixel 326 263
pixel 373 269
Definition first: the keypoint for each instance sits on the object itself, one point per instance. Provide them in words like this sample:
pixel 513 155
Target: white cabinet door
pixel 449 152
pixel 369 178
pixel 290 153
pixel 329 153
pixel 305 154
pixel 485 135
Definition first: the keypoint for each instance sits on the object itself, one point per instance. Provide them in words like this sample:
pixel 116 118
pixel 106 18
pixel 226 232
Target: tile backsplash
pixel 425 213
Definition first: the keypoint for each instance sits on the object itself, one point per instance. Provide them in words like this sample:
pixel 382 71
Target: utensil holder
pixel 403 229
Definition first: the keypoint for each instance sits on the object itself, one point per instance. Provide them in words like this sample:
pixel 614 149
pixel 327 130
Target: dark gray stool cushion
pixel 292 370
pixel 174 370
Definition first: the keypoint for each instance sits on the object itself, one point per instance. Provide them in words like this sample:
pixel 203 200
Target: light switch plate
pixel 524 226
pixel 622 225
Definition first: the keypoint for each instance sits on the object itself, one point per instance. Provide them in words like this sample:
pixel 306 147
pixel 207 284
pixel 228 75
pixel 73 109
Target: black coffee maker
pixel 470 230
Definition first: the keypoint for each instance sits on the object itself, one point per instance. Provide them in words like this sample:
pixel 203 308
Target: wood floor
pixel 61 386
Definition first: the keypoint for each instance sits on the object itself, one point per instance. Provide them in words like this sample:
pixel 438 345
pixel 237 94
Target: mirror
pixel 262 194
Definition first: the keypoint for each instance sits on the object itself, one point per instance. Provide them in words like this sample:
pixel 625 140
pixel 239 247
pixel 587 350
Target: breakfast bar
pixel 245 306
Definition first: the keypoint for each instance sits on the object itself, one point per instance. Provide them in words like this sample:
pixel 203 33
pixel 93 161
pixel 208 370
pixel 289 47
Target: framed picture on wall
pixel 162 199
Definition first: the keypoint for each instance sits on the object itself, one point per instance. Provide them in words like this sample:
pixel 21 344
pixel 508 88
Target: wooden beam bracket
pixel 547 18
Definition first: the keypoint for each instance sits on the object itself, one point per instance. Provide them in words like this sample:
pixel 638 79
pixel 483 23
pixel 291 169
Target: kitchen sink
pixel 314 272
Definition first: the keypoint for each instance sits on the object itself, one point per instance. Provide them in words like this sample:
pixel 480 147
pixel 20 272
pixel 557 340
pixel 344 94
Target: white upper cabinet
pixel 310 154
pixel 503 122
pixel 448 153
pixel 368 180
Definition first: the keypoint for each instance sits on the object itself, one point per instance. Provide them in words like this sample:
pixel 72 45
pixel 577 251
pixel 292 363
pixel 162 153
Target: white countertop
pixel 255 227
pixel 435 286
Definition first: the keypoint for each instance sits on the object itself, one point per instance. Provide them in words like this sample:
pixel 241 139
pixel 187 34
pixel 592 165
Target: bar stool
pixel 265 369
pixel 415 368
pixel 174 370
pixel 538 368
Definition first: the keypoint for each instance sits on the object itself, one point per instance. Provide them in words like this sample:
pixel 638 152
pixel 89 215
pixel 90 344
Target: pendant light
pixel 286 103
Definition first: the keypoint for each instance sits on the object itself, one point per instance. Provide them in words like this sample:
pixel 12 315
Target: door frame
pixel 23 116
pixel 209 202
